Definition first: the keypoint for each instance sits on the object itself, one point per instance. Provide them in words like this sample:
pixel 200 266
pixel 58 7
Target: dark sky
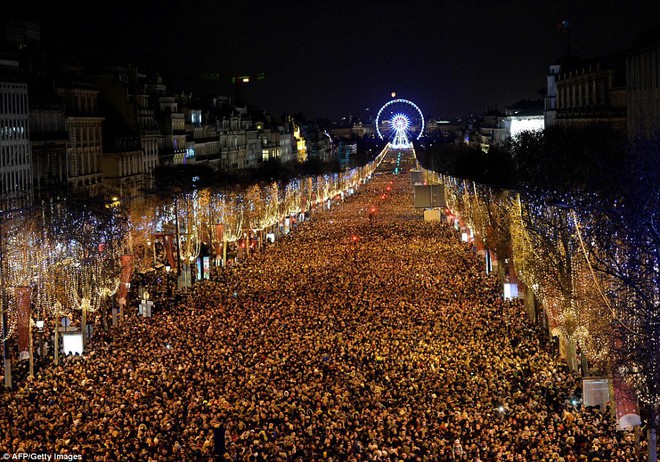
pixel 332 58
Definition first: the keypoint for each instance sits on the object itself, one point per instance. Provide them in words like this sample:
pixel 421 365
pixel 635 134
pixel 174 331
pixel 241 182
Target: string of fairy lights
pixel 79 273
pixel 554 249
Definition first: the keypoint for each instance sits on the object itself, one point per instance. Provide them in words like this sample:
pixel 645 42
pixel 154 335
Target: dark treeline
pixel 188 177
pixel 608 186
pixel 561 159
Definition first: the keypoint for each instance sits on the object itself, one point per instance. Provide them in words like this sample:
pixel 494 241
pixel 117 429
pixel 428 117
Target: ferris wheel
pixel 400 122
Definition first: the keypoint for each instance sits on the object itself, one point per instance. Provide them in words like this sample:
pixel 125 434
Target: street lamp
pixel 57 310
pixel 40 325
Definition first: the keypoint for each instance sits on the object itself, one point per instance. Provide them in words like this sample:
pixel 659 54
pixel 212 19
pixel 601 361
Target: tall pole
pixel 41 343
pixel 83 324
pixel 153 249
pixel 178 240
pixel 652 438
pixel 31 351
pixel 56 351
pixel 56 342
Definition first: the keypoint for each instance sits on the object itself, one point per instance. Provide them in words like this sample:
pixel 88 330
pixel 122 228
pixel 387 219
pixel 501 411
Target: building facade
pixel 84 147
pixel 173 129
pixel 15 151
pixel 49 139
pixel 643 87
pixel 593 93
pixel 123 168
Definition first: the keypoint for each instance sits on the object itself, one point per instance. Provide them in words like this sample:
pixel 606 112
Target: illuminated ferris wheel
pixel 400 122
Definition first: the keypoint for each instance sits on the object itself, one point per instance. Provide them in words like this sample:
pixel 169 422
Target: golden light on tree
pixel 232 218
pixel 189 239
pixel 142 220
pixel 272 210
pixel 255 206
pixel 550 260
pixel 293 199
pixel 306 187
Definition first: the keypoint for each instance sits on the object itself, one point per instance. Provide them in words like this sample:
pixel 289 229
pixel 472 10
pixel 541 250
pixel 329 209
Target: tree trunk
pixel 56 351
pixel 31 352
pixel 83 325
pixel 652 438
pixel 571 355
pixel 104 314
pixel 585 364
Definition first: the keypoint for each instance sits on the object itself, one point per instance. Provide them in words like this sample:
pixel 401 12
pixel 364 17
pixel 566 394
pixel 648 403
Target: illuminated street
pixel 365 334
pixel 330 232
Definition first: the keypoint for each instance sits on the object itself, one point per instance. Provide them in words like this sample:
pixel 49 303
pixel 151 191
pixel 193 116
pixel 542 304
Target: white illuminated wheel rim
pixel 400 122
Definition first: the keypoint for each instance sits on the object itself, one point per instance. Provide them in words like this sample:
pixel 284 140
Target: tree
pixel 549 260
pixel 93 232
pixel 566 159
pixel 142 218
pixel 628 240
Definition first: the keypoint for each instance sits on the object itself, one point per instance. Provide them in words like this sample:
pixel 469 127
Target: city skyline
pixel 326 59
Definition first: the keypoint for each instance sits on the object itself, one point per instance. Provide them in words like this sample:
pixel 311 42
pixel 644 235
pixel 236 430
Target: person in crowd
pixel 394 347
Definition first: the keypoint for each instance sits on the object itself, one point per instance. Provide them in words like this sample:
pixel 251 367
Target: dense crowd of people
pixel 362 336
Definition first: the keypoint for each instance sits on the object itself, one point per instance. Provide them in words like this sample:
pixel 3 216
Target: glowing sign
pixel 72 343
pixel 525 125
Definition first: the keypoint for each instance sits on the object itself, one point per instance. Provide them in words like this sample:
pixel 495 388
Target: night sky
pixel 334 58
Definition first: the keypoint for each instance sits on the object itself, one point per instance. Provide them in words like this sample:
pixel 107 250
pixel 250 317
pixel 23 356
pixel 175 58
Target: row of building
pixel 68 129
pixel 620 90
